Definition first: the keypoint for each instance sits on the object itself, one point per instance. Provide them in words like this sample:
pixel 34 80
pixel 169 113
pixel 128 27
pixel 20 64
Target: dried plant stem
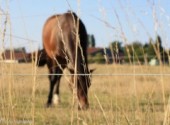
pixel 75 98
pixel 167 113
pixel 34 70
pixel 11 78
pixel 104 115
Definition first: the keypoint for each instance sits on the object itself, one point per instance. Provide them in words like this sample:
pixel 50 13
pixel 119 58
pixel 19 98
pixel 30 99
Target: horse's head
pixel 84 84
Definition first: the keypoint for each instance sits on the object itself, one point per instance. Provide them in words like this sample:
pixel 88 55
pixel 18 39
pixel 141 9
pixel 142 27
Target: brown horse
pixel 65 46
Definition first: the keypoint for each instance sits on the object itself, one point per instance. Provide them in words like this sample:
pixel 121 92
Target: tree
pixel 161 53
pixel 159 44
pixel 116 48
pixel 91 40
pixel 154 49
pixel 149 50
pixel 134 52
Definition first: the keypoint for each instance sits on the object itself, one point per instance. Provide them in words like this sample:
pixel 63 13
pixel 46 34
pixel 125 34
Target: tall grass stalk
pixel 103 112
pixel 167 114
pixel 34 72
pixel 157 49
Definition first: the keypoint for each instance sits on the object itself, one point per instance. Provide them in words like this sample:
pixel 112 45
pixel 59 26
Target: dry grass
pixel 115 99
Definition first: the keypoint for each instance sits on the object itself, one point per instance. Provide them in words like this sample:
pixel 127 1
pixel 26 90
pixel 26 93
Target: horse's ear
pixel 92 70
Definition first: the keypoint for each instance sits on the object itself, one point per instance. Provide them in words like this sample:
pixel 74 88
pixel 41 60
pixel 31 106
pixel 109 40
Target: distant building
pixel 16 55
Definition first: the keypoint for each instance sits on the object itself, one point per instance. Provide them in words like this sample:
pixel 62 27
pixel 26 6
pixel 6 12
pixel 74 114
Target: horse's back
pixel 58 35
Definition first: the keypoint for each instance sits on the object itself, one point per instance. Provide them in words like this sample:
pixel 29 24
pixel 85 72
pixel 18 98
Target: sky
pixel 107 20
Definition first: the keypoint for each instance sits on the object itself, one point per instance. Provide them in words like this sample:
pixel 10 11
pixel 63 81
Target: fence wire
pixel 106 74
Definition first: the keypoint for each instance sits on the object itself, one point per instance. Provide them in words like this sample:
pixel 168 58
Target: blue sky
pixel 106 20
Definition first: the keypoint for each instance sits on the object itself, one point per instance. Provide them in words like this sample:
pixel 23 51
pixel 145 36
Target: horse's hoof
pixel 56 99
pixel 84 107
pixel 49 105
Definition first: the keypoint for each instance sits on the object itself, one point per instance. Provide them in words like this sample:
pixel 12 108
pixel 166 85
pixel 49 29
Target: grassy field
pixel 135 99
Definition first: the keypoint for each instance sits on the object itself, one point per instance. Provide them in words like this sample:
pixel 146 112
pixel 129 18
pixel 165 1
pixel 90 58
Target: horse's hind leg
pixel 56 98
pixel 54 79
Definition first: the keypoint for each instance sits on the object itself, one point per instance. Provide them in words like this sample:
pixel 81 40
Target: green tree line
pixel 142 53
pixel 134 52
